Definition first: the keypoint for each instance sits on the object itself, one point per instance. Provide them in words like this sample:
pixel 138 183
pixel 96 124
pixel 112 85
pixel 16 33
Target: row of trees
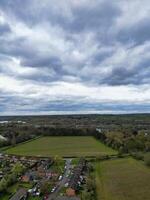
pixel 125 142
pixel 48 131
pixel 17 134
pixel 89 190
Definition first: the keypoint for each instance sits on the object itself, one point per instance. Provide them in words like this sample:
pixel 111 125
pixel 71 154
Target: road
pixel 61 183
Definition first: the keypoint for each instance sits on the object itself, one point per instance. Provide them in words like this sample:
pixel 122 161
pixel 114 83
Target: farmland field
pixel 122 179
pixel 62 146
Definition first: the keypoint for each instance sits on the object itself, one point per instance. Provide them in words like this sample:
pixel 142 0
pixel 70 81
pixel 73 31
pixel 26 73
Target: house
pixel 21 194
pixel 76 178
pixel 25 178
pixel 29 176
pixel 71 192
pixel 41 172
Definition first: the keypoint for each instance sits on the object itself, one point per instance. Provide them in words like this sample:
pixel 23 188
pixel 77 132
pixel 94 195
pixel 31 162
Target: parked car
pixel 37 193
pixel 66 184
pixel 60 177
pixel 53 190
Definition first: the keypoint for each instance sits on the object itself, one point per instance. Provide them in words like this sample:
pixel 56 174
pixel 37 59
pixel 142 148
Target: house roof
pixel 73 183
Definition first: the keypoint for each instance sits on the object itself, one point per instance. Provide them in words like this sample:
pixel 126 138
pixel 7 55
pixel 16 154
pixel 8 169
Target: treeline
pixel 125 141
pixel 18 134
pixel 48 131
pixel 89 188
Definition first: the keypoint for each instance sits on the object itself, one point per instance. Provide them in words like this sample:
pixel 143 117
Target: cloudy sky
pixel 74 56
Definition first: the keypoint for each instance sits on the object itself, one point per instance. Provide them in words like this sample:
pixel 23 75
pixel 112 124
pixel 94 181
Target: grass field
pixel 62 146
pixel 122 179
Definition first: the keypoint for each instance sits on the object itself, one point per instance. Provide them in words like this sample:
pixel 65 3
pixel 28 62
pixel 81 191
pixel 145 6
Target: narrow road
pixel 61 183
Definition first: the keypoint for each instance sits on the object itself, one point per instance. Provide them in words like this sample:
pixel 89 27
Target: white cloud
pixel 74 91
pixel 50 55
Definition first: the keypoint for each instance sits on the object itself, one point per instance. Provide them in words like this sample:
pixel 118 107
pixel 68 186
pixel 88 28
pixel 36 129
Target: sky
pixel 74 56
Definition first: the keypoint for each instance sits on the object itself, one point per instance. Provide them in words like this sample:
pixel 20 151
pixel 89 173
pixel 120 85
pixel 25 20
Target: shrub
pixel 103 157
pixel 147 159
pixel 138 155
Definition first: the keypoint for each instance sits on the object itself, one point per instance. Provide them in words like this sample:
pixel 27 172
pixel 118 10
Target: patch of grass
pixel 75 161
pixel 122 179
pixel 62 146
pixel 58 166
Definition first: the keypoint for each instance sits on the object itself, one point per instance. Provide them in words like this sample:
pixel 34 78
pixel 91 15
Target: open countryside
pixel 122 179
pixel 62 146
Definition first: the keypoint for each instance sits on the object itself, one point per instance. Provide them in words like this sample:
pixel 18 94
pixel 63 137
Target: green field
pixel 122 179
pixel 62 146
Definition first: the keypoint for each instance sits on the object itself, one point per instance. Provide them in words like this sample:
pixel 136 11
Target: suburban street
pixel 62 182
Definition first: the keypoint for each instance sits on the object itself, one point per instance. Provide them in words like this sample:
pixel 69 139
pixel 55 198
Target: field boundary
pixel 10 146
pixel 77 147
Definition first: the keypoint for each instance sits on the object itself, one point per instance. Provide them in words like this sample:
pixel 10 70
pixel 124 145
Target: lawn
pixel 62 146
pixel 122 179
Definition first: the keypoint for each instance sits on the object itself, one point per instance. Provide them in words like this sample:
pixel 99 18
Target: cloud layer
pixel 74 56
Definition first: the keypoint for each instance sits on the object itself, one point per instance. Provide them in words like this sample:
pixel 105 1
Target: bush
pixel 120 155
pixel 103 157
pixel 147 159
pixel 138 155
